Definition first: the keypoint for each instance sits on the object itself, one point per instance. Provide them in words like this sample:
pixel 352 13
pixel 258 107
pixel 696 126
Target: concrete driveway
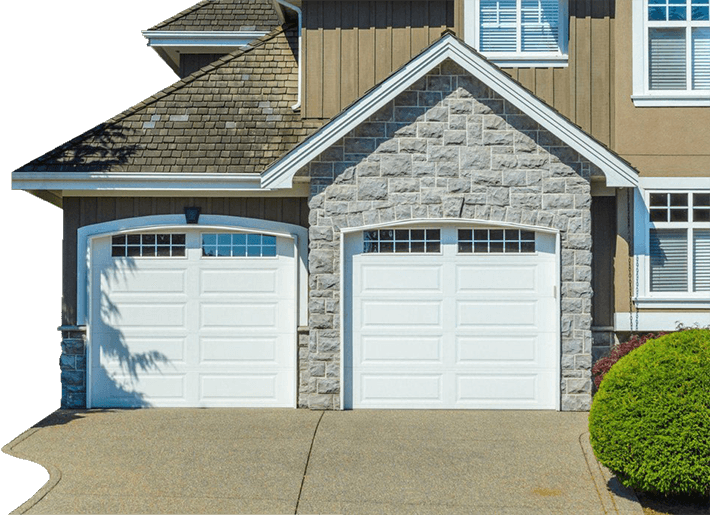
pixel 300 461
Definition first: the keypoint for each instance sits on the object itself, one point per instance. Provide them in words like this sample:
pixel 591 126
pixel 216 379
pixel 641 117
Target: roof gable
pixel 618 172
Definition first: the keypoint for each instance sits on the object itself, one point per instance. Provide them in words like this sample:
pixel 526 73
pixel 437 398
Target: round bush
pixel 650 420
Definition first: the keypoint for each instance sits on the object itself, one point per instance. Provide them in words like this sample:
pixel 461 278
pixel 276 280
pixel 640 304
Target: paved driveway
pixel 300 461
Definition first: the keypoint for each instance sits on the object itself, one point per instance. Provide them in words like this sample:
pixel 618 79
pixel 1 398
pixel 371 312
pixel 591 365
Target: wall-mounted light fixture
pixel 192 215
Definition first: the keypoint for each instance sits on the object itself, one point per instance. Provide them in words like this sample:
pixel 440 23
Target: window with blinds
pixel 678 45
pixel 679 242
pixel 520 26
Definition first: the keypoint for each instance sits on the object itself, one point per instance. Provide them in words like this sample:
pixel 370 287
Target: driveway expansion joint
pixel 308 460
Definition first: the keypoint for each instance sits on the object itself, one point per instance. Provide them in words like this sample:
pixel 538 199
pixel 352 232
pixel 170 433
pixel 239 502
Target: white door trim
pixel 345 293
pixel 87 234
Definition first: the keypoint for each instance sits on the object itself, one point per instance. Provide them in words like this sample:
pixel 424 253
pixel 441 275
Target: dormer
pixel 211 29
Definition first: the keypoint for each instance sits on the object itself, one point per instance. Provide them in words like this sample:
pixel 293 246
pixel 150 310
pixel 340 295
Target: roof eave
pixel 617 171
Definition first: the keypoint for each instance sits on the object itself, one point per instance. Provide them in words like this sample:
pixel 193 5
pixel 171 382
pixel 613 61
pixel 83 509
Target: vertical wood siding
pixel 79 212
pixel 350 46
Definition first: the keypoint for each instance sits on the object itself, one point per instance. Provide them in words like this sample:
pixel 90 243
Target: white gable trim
pixel 618 173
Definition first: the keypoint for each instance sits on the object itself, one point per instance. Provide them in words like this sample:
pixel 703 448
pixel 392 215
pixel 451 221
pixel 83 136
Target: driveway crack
pixel 308 460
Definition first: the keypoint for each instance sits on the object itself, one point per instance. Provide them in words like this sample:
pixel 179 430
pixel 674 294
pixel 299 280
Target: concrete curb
pixel 615 497
pixel 55 475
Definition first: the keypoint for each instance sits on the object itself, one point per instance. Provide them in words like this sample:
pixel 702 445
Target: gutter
pixel 297 105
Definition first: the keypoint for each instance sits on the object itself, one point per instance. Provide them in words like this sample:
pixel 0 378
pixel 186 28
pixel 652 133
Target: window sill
pixel 528 61
pixel 671 303
pixel 651 100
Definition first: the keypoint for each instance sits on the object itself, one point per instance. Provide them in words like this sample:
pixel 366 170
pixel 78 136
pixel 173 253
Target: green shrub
pixel 650 419
pixel 603 366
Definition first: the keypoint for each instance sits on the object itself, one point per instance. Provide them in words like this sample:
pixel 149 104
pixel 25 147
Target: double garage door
pixel 192 318
pixel 434 317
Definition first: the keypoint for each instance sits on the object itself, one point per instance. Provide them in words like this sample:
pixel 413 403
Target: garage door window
pixel 405 241
pixel 148 245
pixel 490 241
pixel 238 245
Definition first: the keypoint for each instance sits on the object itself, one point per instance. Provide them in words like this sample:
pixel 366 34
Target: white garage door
pixel 192 318
pixel 451 318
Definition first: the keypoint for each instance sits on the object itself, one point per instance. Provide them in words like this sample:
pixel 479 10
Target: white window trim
pixel 641 95
pixel 519 59
pixel 645 298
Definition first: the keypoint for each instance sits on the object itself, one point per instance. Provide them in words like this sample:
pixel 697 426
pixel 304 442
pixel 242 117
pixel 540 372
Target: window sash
pixel 701 260
pixel 668 251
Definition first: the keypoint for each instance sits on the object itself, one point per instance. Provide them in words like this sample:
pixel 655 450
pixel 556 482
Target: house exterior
pixel 351 204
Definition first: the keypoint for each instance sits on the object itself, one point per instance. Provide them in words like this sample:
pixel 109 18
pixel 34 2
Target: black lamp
pixel 192 215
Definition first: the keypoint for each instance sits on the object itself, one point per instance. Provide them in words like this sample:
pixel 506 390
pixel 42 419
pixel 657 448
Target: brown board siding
pixel 79 212
pixel 350 46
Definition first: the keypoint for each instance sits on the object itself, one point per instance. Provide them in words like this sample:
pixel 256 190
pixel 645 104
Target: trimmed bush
pixel 602 366
pixel 650 420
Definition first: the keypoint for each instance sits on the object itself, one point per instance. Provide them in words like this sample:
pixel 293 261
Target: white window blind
pixel 540 25
pixel 701 265
pixel 667 59
pixel 701 58
pixel 669 260
pixel 519 26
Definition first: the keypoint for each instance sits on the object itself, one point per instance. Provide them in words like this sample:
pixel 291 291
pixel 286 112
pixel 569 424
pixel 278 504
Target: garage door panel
pixel 400 388
pixel 234 282
pixel 128 388
pixel 498 387
pixel 400 279
pixel 514 349
pixel 144 315
pixel 399 313
pixel 398 349
pixel 503 313
pixel 486 278
pixel 215 351
pixel 144 353
pixel 239 315
pixel 250 388
pixel 129 279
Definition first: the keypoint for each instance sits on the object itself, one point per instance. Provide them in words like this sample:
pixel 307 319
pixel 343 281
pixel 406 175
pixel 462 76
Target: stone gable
pixel 446 148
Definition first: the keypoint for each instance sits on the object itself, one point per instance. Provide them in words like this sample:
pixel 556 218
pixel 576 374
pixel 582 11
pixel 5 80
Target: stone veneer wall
pixel 448 147
pixel 72 363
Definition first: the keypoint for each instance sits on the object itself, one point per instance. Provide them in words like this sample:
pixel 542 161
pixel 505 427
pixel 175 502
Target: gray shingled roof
pixel 231 116
pixel 224 15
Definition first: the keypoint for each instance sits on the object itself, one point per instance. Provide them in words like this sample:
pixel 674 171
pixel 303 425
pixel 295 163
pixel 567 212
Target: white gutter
pixel 297 105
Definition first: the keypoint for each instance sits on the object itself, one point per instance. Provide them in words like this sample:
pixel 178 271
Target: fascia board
pixel 161 38
pixel 618 173
pixel 79 181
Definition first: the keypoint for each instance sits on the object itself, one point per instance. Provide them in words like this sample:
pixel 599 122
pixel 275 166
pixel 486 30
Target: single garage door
pixel 451 318
pixel 192 318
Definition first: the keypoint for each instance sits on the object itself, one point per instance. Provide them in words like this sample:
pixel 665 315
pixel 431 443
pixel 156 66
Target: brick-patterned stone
pixel 461 152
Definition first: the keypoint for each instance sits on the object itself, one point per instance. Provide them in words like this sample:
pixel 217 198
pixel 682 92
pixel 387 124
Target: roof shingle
pixel 233 115
pixel 223 15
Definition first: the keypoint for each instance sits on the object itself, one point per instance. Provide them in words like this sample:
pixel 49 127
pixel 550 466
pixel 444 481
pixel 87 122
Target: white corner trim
pixel 86 234
pixel 618 173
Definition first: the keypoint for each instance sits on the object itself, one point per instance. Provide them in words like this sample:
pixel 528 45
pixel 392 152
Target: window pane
pixel 701 58
pixel 667 66
pixel 659 199
pixel 701 267
pixel 659 215
pixel 669 260
pixel 679 199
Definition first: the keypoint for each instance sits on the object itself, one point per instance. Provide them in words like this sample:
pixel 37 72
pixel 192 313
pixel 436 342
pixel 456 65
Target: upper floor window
pixel 518 32
pixel 672 52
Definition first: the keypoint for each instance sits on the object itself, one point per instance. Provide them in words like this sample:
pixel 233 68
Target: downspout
pixel 297 105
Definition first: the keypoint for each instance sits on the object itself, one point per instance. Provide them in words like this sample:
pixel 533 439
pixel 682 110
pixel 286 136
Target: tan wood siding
pixel 350 46
pixel 79 212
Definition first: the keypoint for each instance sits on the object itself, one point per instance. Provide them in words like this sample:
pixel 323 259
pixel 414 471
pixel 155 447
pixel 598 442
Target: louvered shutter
pixel 701 58
pixel 540 25
pixel 669 260
pixel 498 31
pixel 701 265
pixel 667 59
